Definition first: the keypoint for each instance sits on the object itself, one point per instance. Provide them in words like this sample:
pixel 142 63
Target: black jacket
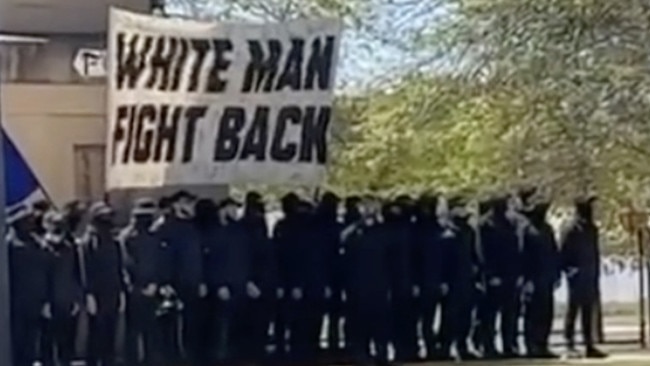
pixel 29 268
pixel 230 258
pixel 105 265
pixel 144 258
pixel 184 254
pixel 370 266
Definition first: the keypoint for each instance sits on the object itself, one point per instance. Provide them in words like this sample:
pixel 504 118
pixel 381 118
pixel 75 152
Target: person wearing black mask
pixel 581 262
pixel 458 239
pixel 541 273
pixel 398 217
pixel 106 285
pixel 369 285
pixel 428 266
pixel 40 208
pixel 229 273
pixel 284 234
pixel 185 257
pixel 352 216
pixel 66 292
pixel 29 265
pixel 307 283
pixel 329 241
pixel 503 270
pixel 260 304
pixel 143 265
pixel 167 313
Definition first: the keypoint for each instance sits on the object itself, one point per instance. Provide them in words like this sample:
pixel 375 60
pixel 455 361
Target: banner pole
pixel 5 302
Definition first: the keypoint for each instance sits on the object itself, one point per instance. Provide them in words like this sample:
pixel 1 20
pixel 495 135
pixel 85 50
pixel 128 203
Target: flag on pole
pixel 21 185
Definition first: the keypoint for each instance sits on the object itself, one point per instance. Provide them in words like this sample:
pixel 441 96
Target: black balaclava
pixel 425 208
pixel 254 206
pixel 205 213
pixel 352 213
pixel 584 209
pixel 289 204
pixel 74 215
pixel 328 206
pixel 392 212
pixel 500 208
pixel 408 207
pixel 539 211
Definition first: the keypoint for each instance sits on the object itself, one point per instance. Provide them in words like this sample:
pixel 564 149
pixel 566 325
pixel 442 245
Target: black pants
pixel 404 328
pixel 103 330
pixel 170 341
pixel 582 298
pixel 225 330
pixel 429 307
pixel 195 329
pixel 25 330
pixel 335 316
pixel 59 334
pixel 456 317
pixel 369 322
pixel 255 321
pixel 305 320
pixel 504 301
pixel 143 335
pixel 538 320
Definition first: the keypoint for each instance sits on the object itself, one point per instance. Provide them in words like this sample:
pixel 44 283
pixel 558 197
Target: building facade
pixel 54 114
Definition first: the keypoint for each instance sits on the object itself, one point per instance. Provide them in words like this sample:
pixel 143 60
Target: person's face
pixel 370 208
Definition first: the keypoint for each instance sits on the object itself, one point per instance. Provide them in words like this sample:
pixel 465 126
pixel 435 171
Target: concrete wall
pixel 46 121
pixel 61 16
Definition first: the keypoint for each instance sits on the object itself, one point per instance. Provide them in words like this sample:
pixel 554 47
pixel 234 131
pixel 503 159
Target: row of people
pixel 204 284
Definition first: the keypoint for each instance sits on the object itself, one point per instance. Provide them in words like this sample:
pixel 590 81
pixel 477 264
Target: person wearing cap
pixel 542 274
pixel 502 265
pixel 29 284
pixel 105 285
pixel 428 264
pixel 459 254
pixel 229 277
pixel 264 276
pixel 143 254
pixel 66 294
pixel 581 263
pixel 368 274
pixel 184 258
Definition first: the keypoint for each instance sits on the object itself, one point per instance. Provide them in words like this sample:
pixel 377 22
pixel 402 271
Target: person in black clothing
pixel 263 276
pixel 29 284
pixel 170 306
pixel 283 234
pixel 329 239
pixel 542 273
pixel 459 258
pixel 305 263
pixel 369 278
pixel 143 262
pixel 66 294
pixel 106 285
pixel 352 215
pixel 399 223
pixel 428 266
pixel 184 256
pixel 581 262
pixel 503 273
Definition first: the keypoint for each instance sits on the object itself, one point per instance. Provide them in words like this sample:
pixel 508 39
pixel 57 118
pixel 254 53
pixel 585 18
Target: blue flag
pixel 22 186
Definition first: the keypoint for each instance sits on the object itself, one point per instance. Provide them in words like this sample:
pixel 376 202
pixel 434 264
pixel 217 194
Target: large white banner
pixel 204 103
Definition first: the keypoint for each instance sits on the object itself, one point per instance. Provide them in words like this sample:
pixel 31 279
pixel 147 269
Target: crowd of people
pixel 207 283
